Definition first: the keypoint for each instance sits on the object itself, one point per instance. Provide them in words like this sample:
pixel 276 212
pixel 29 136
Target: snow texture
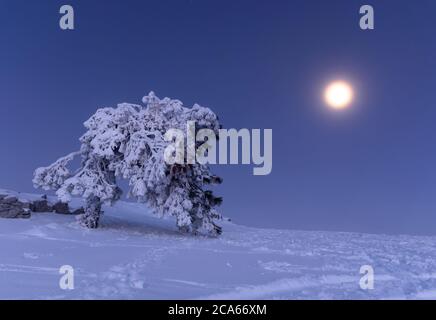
pixel 136 256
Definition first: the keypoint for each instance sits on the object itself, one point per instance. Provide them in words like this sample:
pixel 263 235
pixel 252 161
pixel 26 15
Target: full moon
pixel 338 95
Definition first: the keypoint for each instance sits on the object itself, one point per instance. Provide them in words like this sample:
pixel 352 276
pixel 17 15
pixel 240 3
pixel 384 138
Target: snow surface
pixel 137 256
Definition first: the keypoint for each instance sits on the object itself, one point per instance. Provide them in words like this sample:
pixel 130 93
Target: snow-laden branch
pixel 53 176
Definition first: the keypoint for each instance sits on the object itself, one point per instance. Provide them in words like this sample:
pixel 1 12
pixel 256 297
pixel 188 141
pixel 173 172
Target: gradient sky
pixel 257 64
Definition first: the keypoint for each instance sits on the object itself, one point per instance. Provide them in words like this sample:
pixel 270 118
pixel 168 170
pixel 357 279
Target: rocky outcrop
pixel 41 205
pixel 62 208
pixel 12 207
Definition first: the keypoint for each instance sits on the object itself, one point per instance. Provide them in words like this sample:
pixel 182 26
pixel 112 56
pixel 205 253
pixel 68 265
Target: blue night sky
pixel 257 64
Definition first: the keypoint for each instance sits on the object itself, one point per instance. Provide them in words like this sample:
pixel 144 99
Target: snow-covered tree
pixel 127 142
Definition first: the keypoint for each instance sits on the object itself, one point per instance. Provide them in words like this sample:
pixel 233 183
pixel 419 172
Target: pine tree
pixel 127 142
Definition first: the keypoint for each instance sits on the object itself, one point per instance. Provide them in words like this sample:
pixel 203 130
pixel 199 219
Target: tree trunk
pixel 92 213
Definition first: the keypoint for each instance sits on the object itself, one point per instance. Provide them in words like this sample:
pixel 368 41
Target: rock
pixel 13 208
pixel 25 205
pixel 41 206
pixel 14 211
pixel 79 211
pixel 10 200
pixel 62 208
pixel 25 214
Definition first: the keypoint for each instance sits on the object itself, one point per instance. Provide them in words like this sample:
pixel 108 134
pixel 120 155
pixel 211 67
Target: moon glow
pixel 338 95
